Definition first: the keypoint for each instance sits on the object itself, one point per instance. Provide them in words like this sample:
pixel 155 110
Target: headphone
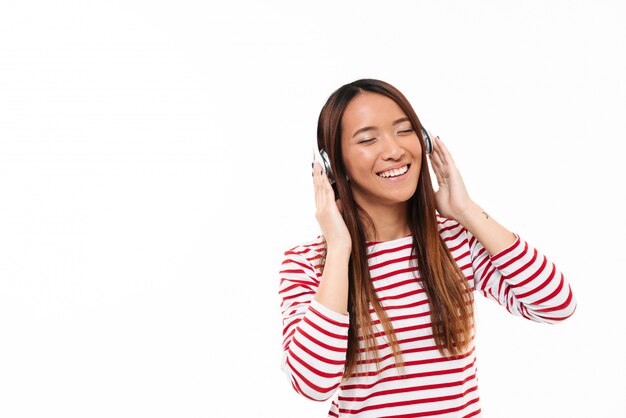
pixel 322 157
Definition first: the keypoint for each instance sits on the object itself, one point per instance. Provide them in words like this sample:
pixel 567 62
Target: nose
pixel 392 149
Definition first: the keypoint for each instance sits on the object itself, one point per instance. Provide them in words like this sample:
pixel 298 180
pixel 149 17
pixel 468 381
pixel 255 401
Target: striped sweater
pixel 315 337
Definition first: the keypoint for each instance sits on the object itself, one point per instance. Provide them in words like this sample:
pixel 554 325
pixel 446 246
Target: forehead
pixel 370 109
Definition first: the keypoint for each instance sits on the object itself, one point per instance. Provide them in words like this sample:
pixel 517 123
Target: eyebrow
pixel 367 128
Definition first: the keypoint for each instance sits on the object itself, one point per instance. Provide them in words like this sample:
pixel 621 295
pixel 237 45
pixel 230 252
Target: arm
pixel 315 337
pixel 492 236
pixel 506 268
pixel 523 280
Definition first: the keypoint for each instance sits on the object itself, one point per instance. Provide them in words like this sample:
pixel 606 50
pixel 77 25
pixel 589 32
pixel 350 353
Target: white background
pixel 155 164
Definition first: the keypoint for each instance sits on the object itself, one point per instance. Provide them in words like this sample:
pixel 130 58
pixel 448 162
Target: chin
pixel 400 197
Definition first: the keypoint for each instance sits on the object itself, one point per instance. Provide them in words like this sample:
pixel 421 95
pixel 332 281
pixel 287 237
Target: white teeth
pixel 394 173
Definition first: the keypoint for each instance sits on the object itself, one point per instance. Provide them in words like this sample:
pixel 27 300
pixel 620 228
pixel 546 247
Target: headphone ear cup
pixel 428 141
pixel 329 172
pixel 326 164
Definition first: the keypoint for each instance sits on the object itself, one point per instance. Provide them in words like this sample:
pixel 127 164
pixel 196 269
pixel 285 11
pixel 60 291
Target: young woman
pixel 378 309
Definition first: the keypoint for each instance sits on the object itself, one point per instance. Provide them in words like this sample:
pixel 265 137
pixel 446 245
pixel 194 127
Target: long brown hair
pixel 449 295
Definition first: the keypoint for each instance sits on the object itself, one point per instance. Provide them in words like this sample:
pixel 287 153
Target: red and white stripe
pixel 315 337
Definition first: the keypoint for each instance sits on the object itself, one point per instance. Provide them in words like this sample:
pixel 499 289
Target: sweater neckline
pixel 393 241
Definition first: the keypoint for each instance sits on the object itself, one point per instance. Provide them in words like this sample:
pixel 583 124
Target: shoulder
pixel 311 250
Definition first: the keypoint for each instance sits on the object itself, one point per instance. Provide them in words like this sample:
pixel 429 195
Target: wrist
pixel 471 215
pixel 339 251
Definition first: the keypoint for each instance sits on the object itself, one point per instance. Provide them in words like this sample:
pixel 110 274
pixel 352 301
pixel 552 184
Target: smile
pixel 394 173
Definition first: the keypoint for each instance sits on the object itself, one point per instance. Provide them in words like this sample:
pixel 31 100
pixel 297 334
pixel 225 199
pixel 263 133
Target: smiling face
pixel 381 151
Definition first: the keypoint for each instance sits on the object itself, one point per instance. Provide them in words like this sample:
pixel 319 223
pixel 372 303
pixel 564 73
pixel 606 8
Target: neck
pixel 390 222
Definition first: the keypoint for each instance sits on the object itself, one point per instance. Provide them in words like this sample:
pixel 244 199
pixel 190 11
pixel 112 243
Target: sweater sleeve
pixel 523 280
pixel 315 338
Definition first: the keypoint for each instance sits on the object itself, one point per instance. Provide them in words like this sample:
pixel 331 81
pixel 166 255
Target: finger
pixel 321 184
pixel 435 157
pixel 326 186
pixel 445 161
pixel 437 150
pixel 444 151
pixel 317 172
pixel 316 183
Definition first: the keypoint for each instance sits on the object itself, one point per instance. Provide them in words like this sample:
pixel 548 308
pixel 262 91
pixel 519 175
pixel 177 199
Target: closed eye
pixel 406 131
pixel 366 141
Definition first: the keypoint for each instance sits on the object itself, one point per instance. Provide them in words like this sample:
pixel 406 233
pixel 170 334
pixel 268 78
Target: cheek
pixel 417 157
pixel 418 167
pixel 359 162
pixel 416 148
pixel 366 162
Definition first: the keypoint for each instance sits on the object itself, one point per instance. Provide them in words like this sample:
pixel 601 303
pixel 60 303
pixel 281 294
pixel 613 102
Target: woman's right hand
pixel 328 212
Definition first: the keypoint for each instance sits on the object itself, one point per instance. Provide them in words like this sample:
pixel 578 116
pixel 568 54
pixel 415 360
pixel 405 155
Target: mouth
pixel 394 174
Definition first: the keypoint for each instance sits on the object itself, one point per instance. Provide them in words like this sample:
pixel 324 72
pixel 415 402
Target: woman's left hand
pixel 452 198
